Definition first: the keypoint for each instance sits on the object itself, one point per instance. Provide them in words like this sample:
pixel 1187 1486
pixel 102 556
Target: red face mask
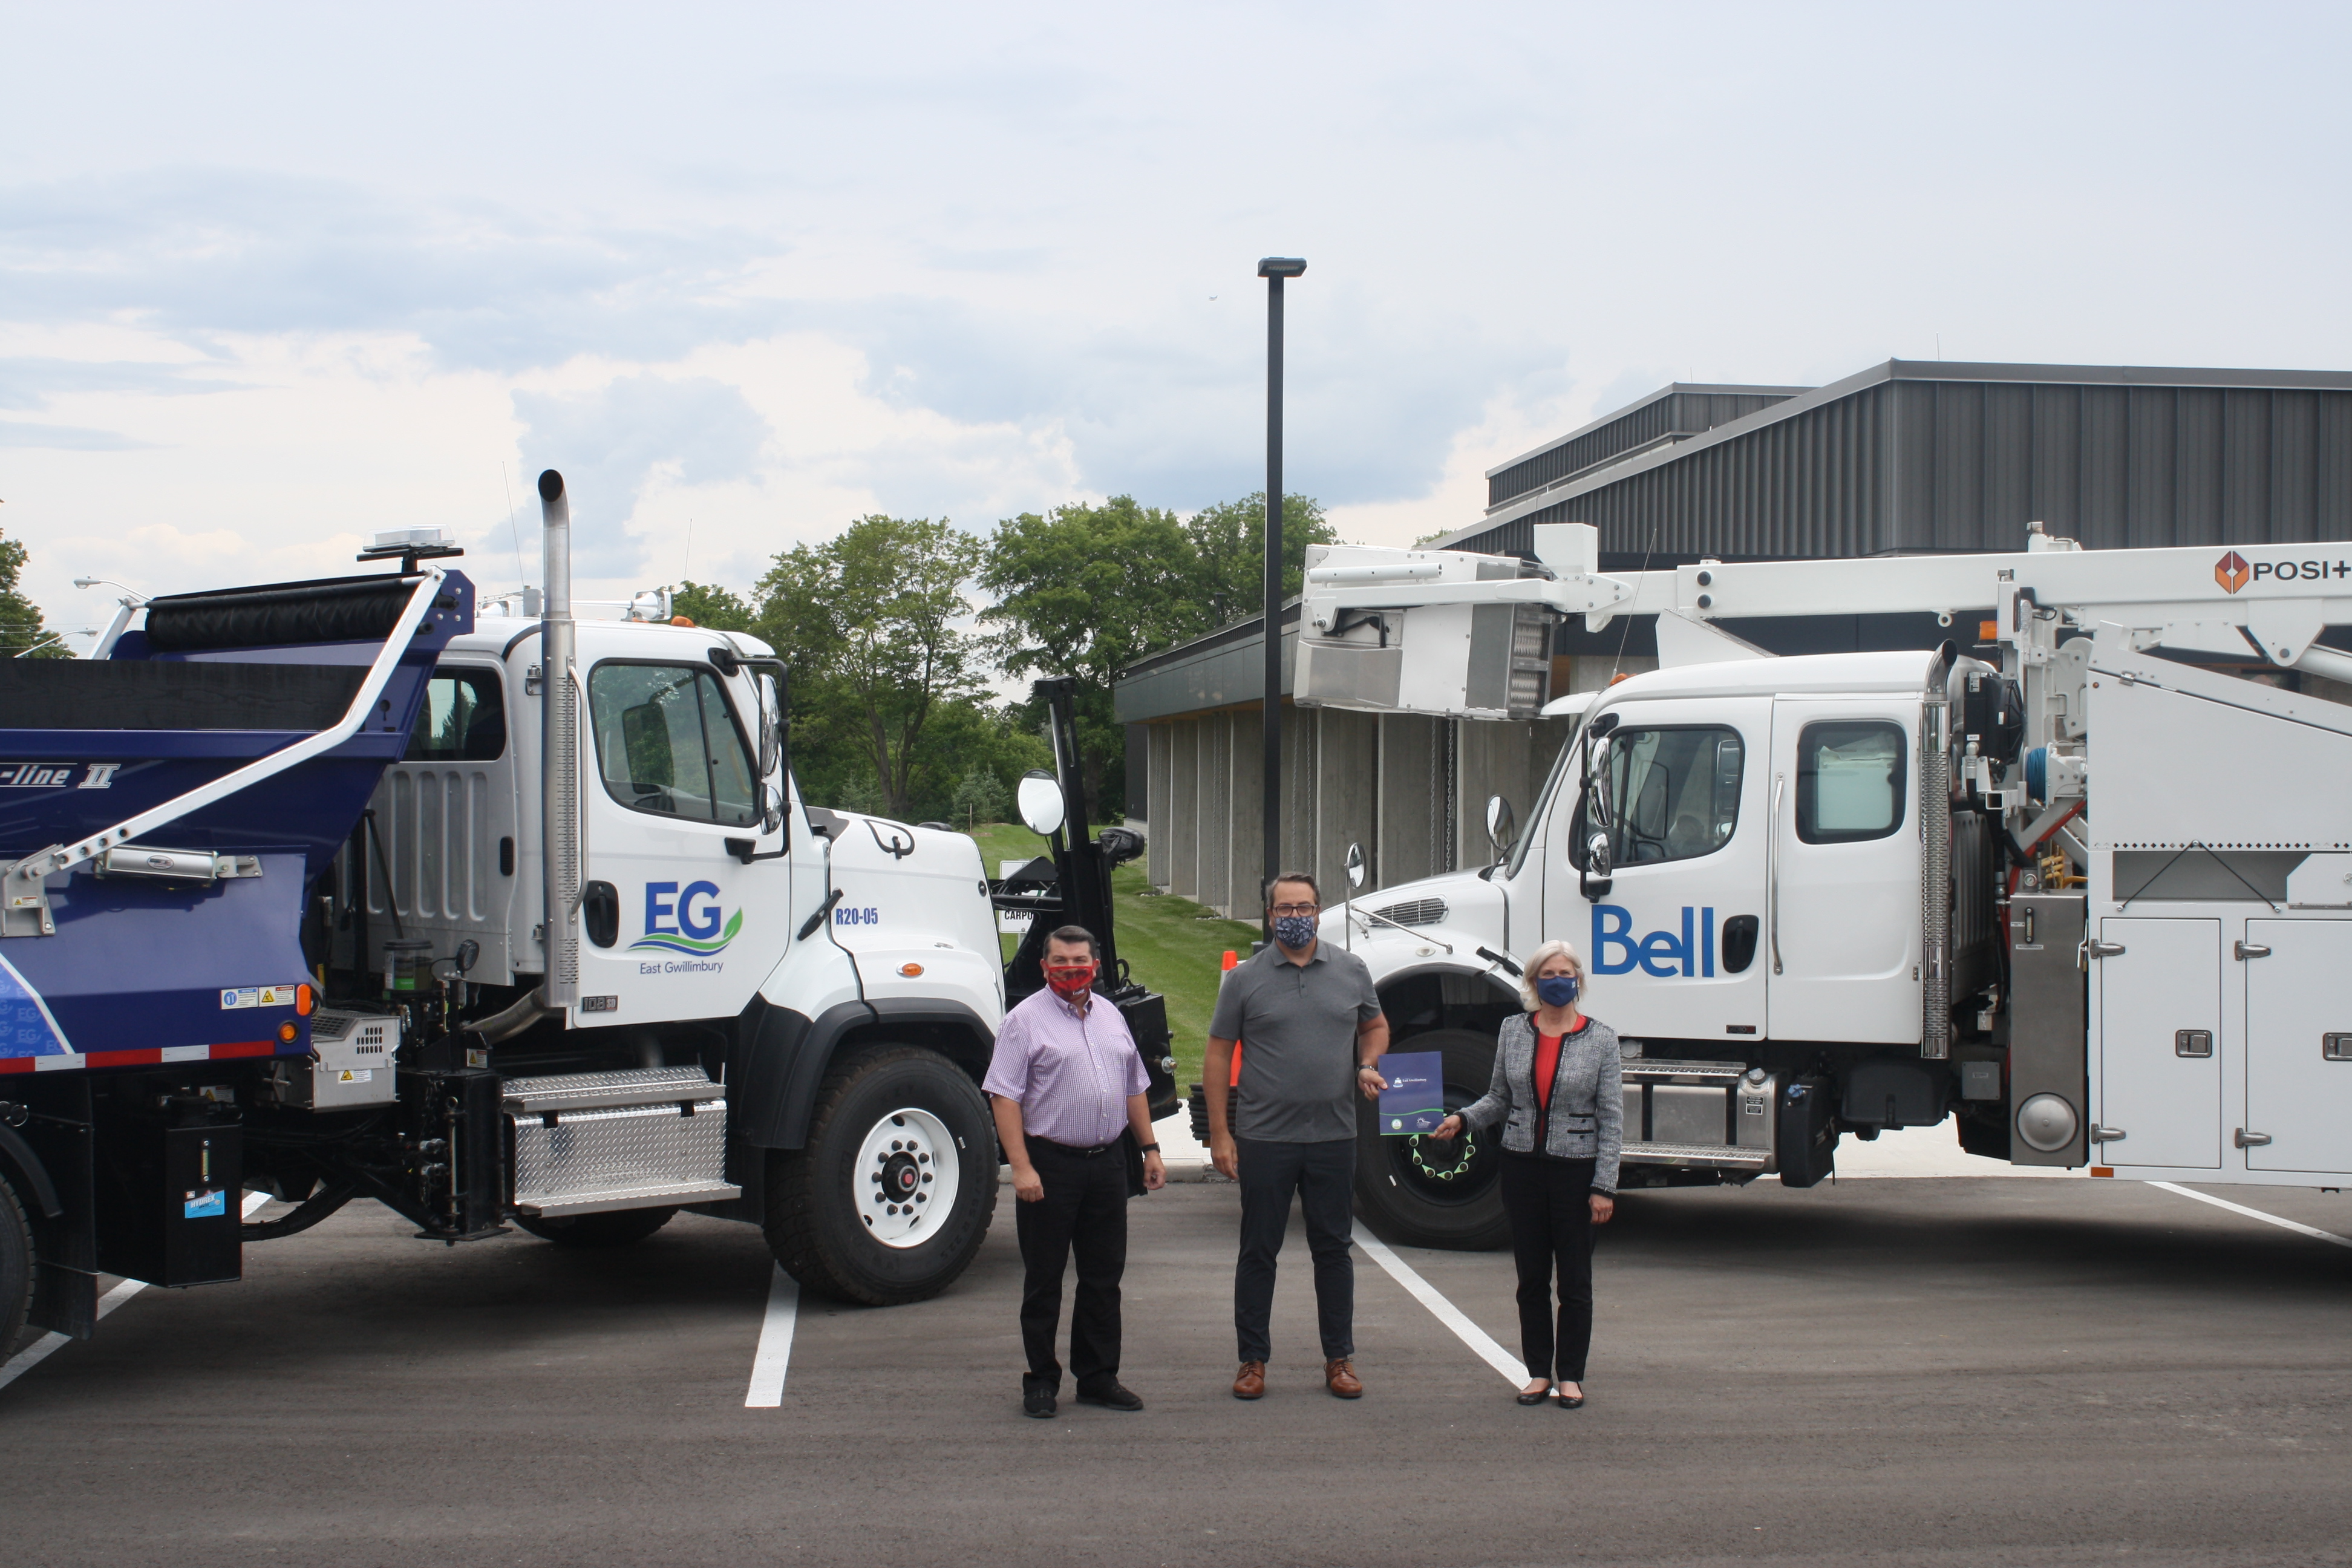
pixel 1071 982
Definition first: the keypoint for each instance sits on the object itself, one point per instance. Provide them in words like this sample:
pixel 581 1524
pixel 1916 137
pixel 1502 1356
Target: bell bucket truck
pixel 2067 885
pixel 340 890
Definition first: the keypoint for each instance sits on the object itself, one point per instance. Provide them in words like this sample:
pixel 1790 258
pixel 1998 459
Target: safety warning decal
pixel 257 996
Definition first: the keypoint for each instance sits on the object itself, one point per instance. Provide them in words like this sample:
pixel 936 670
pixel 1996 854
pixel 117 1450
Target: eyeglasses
pixel 1284 910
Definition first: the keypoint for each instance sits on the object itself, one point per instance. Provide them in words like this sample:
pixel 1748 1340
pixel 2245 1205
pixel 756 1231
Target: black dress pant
pixel 1549 1201
pixel 1083 1212
pixel 1323 1175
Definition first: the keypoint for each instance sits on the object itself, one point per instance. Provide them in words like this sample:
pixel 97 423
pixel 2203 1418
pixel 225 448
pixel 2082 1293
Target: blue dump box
pixel 183 943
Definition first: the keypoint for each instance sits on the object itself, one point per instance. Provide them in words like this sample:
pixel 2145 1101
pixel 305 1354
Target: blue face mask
pixel 1557 990
pixel 1294 931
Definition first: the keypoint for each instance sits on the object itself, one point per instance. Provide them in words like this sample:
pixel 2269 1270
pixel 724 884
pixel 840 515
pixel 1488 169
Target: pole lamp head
pixel 1281 266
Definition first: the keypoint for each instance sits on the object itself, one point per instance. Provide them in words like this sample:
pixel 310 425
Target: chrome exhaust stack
pixel 559 755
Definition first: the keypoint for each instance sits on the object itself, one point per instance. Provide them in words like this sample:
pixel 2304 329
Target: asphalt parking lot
pixel 1974 1370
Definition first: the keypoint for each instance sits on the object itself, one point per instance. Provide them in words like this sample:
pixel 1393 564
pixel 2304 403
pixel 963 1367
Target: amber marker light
pixel 910 970
pixel 303 1002
pixel 288 1031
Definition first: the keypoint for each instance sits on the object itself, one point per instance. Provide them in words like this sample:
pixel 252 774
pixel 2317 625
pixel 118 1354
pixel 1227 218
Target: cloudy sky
pixel 275 276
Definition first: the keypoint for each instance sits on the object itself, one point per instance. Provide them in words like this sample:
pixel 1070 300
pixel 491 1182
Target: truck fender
pixel 782 1056
pixel 18 1155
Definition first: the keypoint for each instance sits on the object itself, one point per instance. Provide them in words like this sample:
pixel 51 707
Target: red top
pixel 1546 1067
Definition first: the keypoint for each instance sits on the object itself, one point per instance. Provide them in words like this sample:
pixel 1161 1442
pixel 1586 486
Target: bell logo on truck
pixel 689 921
pixel 1666 954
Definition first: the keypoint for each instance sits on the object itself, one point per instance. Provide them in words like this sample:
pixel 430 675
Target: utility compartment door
pixel 2156 997
pixel 1673 945
pixel 1842 934
pixel 2298 1079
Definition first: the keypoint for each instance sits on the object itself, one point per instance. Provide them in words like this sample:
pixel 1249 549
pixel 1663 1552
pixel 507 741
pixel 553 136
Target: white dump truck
pixel 342 888
pixel 2068 884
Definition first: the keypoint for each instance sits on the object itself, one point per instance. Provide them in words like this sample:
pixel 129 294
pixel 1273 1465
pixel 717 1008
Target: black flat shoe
pixel 1037 1402
pixel 1538 1397
pixel 1118 1396
pixel 1570 1402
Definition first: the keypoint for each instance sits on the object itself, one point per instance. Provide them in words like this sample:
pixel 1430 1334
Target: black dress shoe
pixel 1538 1397
pixel 1037 1402
pixel 1116 1396
pixel 1569 1401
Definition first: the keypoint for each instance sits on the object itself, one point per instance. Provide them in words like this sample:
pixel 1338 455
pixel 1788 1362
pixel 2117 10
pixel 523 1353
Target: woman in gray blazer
pixel 1559 1091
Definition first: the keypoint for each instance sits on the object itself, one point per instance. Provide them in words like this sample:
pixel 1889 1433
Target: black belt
pixel 1075 1149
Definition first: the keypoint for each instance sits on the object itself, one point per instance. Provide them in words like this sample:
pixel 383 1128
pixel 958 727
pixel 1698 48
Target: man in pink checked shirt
pixel 1066 1082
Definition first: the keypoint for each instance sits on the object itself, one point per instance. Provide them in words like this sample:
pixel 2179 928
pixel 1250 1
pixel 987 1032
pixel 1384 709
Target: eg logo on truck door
pixel 689 921
pixel 1666 954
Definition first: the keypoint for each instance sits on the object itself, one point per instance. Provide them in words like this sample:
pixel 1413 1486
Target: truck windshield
pixel 1536 817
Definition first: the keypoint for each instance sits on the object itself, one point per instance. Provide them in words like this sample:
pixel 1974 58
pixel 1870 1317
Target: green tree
pixel 708 605
pixel 20 618
pixel 866 624
pixel 1229 555
pixel 1087 591
pixel 978 798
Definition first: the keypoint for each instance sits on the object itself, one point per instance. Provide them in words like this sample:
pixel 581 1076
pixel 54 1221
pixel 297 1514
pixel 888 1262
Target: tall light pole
pixel 1274 269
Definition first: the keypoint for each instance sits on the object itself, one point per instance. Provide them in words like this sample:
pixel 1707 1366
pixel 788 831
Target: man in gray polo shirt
pixel 1312 1029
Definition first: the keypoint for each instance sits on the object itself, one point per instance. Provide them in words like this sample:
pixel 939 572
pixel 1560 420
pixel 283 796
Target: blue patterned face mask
pixel 1294 931
pixel 1557 990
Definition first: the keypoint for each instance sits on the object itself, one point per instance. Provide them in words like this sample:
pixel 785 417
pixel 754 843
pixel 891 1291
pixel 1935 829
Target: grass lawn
pixel 1171 944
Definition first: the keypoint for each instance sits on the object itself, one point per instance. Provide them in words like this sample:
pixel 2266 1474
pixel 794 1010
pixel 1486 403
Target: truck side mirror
pixel 1355 865
pixel 1040 799
pixel 1593 876
pixel 772 727
pixel 1501 826
pixel 772 808
pixel 1594 879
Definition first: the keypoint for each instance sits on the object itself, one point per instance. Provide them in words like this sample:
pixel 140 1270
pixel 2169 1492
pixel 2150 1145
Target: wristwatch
pixel 1366 1067
pixel 1149 1148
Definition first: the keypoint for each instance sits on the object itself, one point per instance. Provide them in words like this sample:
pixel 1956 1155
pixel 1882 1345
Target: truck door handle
pixel 2098 949
pixel 2247 950
pixel 2107 1135
pixel 2246 1140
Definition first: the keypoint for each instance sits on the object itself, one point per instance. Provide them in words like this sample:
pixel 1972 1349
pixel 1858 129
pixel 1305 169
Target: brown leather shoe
pixel 1341 1378
pixel 1251 1383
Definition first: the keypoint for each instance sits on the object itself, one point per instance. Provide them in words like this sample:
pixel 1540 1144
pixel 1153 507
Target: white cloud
pixel 285 275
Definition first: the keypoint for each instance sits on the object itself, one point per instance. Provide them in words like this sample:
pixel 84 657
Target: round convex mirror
pixel 1355 864
pixel 1040 803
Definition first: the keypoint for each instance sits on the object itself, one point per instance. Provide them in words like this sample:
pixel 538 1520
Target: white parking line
pixel 48 1345
pixel 775 1352
pixel 2315 1234
pixel 1445 1311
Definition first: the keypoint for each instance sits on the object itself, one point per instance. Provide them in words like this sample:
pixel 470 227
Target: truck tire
pixel 892 1122
pixel 614 1227
pixel 16 1270
pixel 1423 1193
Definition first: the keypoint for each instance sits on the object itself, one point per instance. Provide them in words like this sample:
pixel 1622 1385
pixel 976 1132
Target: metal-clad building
pixel 1912 455
pixel 1905 457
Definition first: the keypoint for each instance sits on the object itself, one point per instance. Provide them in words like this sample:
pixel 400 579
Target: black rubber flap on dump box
pixel 277 614
pixel 138 694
